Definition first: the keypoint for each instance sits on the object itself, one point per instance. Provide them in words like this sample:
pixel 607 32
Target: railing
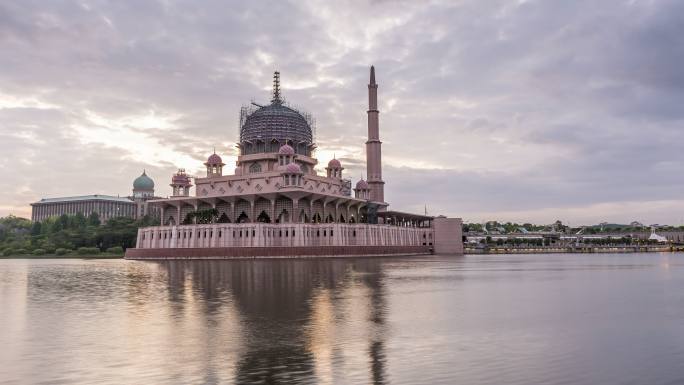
pixel 286 234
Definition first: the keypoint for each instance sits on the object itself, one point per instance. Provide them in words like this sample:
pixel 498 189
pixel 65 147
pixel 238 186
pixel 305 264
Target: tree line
pixel 68 234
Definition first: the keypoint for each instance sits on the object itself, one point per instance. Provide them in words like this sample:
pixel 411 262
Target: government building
pixel 275 204
pixel 106 206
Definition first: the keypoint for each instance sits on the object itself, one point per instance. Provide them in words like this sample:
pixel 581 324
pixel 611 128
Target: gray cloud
pixel 488 108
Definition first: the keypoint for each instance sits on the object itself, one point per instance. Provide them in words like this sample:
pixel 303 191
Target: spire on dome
pixel 276 88
pixel 372 76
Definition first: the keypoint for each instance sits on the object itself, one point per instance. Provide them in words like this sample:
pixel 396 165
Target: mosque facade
pixel 275 204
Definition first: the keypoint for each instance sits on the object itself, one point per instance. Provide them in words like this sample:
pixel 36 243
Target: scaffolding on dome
pixel 282 123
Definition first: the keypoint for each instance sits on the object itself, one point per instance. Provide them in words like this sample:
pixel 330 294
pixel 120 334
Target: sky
pixel 524 111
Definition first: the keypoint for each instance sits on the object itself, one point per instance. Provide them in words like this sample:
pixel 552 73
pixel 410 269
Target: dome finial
pixel 276 88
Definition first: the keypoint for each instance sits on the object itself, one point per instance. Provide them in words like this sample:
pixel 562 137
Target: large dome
pixel 266 128
pixel 275 122
pixel 143 182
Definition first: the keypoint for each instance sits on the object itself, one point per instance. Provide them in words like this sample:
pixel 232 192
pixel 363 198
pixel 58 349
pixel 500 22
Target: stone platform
pixel 274 252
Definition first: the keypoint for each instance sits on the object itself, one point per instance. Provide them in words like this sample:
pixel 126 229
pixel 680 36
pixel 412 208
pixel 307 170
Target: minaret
pixel 373 153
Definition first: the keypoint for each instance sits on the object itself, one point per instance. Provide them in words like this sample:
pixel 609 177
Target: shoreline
pixel 66 256
pixel 573 250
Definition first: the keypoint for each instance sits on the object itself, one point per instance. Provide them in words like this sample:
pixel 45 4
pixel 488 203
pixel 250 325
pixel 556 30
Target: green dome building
pixel 143 186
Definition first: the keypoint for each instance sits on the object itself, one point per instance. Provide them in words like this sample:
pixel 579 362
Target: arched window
pixel 254 168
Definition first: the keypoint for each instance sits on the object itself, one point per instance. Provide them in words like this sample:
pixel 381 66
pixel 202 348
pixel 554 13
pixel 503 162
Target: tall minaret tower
pixel 373 153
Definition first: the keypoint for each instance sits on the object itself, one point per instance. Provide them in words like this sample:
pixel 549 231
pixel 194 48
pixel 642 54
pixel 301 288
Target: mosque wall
pixel 290 235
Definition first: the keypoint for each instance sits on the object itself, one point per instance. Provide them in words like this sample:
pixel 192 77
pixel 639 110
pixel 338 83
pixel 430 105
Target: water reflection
pixel 289 313
pixel 514 319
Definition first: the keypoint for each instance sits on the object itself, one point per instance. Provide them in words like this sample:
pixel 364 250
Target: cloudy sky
pixel 510 110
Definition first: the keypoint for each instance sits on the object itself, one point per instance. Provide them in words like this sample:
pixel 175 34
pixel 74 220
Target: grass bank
pixel 64 256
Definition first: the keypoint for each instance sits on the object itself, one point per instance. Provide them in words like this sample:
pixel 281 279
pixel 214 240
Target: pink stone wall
pixel 274 252
pixel 448 235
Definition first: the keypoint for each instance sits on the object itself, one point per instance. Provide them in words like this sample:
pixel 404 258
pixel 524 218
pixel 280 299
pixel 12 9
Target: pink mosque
pixel 275 204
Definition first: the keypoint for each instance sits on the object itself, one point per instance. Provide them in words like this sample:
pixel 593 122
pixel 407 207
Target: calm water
pixel 533 319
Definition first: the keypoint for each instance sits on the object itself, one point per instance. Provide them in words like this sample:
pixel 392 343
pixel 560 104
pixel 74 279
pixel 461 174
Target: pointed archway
pixel 303 218
pixel 171 221
pixel 263 217
pixel 329 219
pixel 342 218
pixel 223 218
pixel 242 218
pixel 283 217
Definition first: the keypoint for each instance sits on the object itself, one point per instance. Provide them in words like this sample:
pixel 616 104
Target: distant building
pixel 106 206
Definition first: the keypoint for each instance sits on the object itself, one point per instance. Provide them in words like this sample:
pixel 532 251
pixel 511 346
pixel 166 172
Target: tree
pixel 94 219
pixel 36 228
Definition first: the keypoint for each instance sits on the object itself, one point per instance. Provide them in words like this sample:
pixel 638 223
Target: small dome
pixel 214 159
pixel 361 185
pixel 143 182
pixel 334 163
pixel 293 168
pixel 285 149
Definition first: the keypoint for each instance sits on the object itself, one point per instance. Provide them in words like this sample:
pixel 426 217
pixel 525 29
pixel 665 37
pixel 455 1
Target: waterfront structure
pixel 106 206
pixel 276 204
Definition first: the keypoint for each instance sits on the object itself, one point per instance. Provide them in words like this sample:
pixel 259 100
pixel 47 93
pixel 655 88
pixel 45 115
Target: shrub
pixel 38 252
pixel 62 251
pixel 115 250
pixel 19 251
pixel 8 252
pixel 49 249
pixel 87 250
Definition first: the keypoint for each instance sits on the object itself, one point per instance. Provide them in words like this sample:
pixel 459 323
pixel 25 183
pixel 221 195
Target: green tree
pixel 36 228
pixel 94 219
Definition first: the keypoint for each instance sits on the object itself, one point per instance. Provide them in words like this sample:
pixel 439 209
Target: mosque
pixel 275 204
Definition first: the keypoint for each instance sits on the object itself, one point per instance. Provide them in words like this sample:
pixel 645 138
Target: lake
pixel 486 319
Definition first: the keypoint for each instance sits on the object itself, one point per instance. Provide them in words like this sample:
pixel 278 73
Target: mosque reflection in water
pixel 286 320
